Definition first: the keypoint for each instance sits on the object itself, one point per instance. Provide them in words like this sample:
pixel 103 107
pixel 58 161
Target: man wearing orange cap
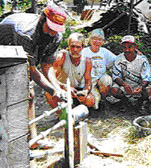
pixel 40 36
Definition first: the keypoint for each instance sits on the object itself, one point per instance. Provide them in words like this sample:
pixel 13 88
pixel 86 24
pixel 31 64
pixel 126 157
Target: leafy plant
pixel 19 4
pixel 69 23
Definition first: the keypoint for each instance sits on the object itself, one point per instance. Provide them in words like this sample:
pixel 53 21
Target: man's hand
pixel 74 92
pixel 137 90
pixel 62 94
pixel 127 88
pixel 81 95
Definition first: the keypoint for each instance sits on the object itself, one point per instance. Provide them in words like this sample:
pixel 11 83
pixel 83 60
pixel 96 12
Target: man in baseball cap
pixel 55 18
pixel 128 39
pixel 131 73
pixel 40 37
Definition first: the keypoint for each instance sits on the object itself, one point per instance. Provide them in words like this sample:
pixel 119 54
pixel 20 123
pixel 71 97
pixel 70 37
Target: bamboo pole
pixel 70 127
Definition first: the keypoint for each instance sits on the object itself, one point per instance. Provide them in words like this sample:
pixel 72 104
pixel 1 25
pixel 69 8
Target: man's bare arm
pixel 40 79
pixel 87 75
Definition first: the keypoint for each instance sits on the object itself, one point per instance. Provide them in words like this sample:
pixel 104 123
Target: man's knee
pixel 89 101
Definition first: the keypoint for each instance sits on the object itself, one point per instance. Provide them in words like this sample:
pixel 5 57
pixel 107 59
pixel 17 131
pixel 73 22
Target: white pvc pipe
pixel 47 113
pixel 70 126
pixel 45 133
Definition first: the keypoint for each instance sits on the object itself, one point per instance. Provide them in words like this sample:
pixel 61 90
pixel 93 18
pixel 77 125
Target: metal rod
pixel 70 126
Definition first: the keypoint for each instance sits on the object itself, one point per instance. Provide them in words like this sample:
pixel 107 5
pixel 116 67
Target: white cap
pixel 128 39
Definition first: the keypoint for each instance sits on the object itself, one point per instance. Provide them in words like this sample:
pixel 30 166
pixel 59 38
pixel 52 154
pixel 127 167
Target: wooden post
pixel 14 149
pixel 80 142
pixel 34 6
pixel 130 15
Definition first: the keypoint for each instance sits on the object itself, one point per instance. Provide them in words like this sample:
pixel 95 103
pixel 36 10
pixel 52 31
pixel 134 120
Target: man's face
pixel 75 48
pixel 96 42
pixel 49 31
pixel 129 48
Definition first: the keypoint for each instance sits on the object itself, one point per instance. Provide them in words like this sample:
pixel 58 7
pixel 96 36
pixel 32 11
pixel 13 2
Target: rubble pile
pixel 116 20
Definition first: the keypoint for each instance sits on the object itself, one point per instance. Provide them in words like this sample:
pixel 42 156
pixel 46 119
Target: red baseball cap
pixel 55 17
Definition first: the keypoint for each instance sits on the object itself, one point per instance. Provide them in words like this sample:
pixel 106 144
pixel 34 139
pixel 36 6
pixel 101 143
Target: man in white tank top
pixel 71 64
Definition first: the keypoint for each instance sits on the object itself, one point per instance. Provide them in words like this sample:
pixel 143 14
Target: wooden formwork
pixel 14 149
pixel 80 142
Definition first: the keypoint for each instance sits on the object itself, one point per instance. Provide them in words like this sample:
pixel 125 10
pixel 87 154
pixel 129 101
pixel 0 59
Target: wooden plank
pixel 17 117
pixel 80 142
pixel 3 120
pixel 18 153
pixel 3 145
pixel 8 64
pixel 10 53
pixel 14 147
pixel 3 135
pixel 17 84
pixel 2 87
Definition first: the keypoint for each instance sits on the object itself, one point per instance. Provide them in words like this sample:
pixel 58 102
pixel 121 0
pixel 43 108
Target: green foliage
pixel 63 115
pixel 113 44
pixel 69 24
pixel 1 11
pixel 21 4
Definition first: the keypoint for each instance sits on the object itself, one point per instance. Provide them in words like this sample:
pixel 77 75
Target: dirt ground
pixel 110 128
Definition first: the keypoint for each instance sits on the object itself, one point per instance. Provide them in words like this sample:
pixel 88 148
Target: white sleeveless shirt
pixel 75 73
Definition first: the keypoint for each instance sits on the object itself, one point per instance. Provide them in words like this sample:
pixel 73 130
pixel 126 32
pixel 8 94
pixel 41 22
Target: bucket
pixel 143 125
pixel 80 113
